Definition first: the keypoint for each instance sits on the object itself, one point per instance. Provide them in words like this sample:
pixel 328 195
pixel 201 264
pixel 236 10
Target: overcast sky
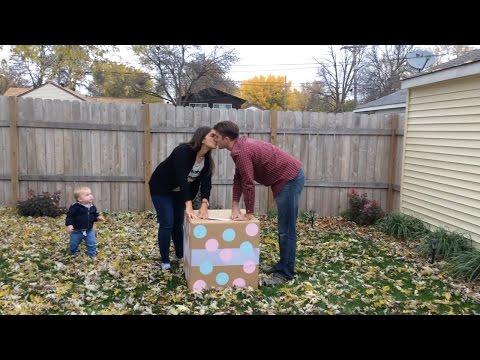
pixel 297 62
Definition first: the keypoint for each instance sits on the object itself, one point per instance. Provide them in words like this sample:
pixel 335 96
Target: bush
pixel 272 213
pixel 402 226
pixel 362 211
pixel 466 265
pixel 45 204
pixel 308 217
pixel 347 215
pixel 450 243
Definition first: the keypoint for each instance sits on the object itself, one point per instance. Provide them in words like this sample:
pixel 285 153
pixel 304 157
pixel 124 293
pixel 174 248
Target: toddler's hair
pixel 79 190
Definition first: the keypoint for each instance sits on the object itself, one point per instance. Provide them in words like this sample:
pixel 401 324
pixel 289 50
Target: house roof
pixel 15 91
pixel 471 56
pixel 74 93
pixel 213 93
pixel 464 65
pixel 395 100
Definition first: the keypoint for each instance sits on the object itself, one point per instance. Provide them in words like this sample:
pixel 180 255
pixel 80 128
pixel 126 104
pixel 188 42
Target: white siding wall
pixel 50 91
pixel 441 165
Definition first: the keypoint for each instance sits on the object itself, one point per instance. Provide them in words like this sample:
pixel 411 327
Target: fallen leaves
pixel 341 269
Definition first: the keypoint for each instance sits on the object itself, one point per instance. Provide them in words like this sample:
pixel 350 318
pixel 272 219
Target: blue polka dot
pixel 222 278
pixel 246 247
pixel 229 235
pixel 206 268
pixel 200 231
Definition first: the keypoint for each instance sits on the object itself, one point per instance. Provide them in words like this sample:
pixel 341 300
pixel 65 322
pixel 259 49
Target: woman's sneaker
pixel 166 266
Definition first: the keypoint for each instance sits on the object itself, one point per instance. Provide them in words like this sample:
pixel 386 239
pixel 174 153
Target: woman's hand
pixel 191 215
pixel 189 210
pixel 203 212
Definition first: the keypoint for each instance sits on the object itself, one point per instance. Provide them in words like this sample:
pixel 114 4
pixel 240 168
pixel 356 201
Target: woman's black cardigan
pixel 173 172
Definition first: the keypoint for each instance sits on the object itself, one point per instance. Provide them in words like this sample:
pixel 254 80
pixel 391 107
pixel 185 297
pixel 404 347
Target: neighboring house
pixel 440 180
pixel 51 90
pixel 213 98
pixel 15 91
pixel 393 103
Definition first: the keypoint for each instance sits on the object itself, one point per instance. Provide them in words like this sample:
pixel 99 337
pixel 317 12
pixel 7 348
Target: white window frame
pixel 201 105
pixel 221 106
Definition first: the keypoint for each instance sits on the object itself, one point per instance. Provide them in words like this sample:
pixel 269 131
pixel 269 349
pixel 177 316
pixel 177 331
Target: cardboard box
pixel 220 252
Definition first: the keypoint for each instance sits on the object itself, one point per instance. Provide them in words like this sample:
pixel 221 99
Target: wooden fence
pixel 49 145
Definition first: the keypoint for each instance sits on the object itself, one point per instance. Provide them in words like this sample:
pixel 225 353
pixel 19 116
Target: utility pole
pixel 285 95
pixel 353 49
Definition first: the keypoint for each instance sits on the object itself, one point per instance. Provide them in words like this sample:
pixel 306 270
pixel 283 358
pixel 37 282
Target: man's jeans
pixel 287 207
pixel 76 237
pixel 170 210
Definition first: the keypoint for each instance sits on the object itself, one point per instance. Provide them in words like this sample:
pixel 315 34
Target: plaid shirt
pixel 262 162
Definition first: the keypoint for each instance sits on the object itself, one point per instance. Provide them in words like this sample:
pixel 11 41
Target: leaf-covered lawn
pixel 342 269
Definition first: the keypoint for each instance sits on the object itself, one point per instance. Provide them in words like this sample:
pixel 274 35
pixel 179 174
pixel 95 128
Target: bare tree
pixel 337 76
pixel 381 70
pixel 314 93
pixel 180 70
pixel 445 53
pixel 10 77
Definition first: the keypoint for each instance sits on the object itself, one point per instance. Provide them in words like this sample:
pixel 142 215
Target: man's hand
pixel 243 217
pixel 69 228
pixel 248 216
pixel 101 218
pixel 236 214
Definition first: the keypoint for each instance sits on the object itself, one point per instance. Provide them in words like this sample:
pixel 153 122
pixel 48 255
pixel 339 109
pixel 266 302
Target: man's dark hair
pixel 227 128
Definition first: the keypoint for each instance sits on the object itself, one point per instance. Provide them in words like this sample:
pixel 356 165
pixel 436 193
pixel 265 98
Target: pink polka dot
pixel 249 266
pixel 239 282
pixel 199 285
pixel 226 255
pixel 251 229
pixel 211 245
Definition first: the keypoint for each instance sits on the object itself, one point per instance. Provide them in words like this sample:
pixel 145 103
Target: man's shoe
pixel 269 270
pixel 275 279
pixel 166 266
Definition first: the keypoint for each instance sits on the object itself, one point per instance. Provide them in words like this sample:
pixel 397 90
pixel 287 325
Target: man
pixel 268 165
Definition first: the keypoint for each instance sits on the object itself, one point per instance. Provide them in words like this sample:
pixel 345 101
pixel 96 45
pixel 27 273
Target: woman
pixel 174 184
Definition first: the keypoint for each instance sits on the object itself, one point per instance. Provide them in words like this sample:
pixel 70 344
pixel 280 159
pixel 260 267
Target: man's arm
pixel 244 176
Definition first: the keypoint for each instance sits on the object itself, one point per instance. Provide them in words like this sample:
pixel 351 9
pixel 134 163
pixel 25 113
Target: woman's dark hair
pixel 196 143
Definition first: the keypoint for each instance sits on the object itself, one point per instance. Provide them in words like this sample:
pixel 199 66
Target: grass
pixel 341 269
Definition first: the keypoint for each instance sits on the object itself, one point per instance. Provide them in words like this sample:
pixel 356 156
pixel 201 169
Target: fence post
pixel 12 105
pixel 391 161
pixel 147 157
pixel 273 140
